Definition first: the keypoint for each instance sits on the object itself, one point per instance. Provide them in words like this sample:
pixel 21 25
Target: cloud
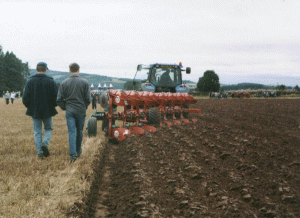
pixel 112 37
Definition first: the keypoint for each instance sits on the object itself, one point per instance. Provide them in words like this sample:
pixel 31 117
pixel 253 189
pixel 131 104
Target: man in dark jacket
pixel 74 96
pixel 40 100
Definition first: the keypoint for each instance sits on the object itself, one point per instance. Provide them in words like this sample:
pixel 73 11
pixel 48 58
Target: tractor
pixel 160 78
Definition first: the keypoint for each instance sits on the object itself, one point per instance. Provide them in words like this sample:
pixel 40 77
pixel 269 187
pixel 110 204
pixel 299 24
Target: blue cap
pixel 42 64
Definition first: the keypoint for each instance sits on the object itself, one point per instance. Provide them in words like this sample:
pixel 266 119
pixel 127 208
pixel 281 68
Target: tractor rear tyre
pixel 91 126
pixel 154 116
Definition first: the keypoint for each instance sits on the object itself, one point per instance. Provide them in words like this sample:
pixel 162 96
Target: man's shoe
pixel 73 159
pixel 41 157
pixel 79 153
pixel 45 150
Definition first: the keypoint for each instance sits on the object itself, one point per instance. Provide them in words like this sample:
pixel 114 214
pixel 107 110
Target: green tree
pixel 281 87
pixel 13 72
pixel 297 88
pixel 2 86
pixel 209 82
pixel 25 72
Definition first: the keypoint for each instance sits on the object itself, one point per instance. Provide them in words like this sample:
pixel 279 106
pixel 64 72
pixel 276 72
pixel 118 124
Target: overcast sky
pixel 238 39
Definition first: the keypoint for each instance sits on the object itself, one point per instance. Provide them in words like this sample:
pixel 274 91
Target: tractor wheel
pixel 154 116
pixel 91 126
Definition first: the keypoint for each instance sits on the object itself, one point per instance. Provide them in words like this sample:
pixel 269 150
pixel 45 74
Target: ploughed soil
pixel 240 159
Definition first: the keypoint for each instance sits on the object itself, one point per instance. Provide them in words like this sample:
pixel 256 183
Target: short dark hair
pixel 74 67
pixel 41 69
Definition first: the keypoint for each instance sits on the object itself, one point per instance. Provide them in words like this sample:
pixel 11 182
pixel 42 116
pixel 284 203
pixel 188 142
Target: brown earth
pixel 240 159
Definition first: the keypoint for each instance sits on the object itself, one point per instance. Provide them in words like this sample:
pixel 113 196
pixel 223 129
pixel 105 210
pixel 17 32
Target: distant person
pixel 7 96
pixel 94 100
pixel 12 96
pixel 74 96
pixel 40 100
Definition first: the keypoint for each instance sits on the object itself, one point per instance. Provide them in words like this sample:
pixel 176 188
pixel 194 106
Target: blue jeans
pixel 75 124
pixel 38 136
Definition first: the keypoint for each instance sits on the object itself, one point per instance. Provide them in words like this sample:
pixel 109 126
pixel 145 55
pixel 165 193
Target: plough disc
pixel 177 121
pixel 186 121
pixel 137 130
pixel 168 123
pixel 119 134
pixel 150 128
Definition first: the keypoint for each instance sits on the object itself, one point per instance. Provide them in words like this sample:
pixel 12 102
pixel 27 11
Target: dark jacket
pixel 40 96
pixel 94 98
pixel 74 94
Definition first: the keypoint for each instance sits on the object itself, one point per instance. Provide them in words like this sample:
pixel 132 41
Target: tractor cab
pixel 160 78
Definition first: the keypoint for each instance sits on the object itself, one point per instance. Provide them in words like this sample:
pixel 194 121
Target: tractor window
pixel 141 75
pixel 165 76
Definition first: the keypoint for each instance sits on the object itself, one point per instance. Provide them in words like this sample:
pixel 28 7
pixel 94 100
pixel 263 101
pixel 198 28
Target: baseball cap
pixel 42 64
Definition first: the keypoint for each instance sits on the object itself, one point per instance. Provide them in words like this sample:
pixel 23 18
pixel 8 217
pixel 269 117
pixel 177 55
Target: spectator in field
pixel 7 96
pixel 40 100
pixel 94 100
pixel 12 96
pixel 74 96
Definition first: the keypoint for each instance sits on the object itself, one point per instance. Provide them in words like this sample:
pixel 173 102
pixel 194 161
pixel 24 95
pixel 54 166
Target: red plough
pixel 147 110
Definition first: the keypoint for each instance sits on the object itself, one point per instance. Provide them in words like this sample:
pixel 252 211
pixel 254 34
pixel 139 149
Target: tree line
pixel 13 72
pixel 209 82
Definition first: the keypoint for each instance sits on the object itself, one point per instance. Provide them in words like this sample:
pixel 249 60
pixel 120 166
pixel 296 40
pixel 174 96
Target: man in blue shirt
pixel 74 96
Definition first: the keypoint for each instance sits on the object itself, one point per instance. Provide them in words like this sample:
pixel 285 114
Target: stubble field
pixel 241 159
pixel 30 187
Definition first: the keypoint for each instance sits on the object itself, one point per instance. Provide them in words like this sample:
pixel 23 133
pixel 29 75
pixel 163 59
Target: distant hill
pixel 253 86
pixel 265 79
pixel 58 76
pixel 188 81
